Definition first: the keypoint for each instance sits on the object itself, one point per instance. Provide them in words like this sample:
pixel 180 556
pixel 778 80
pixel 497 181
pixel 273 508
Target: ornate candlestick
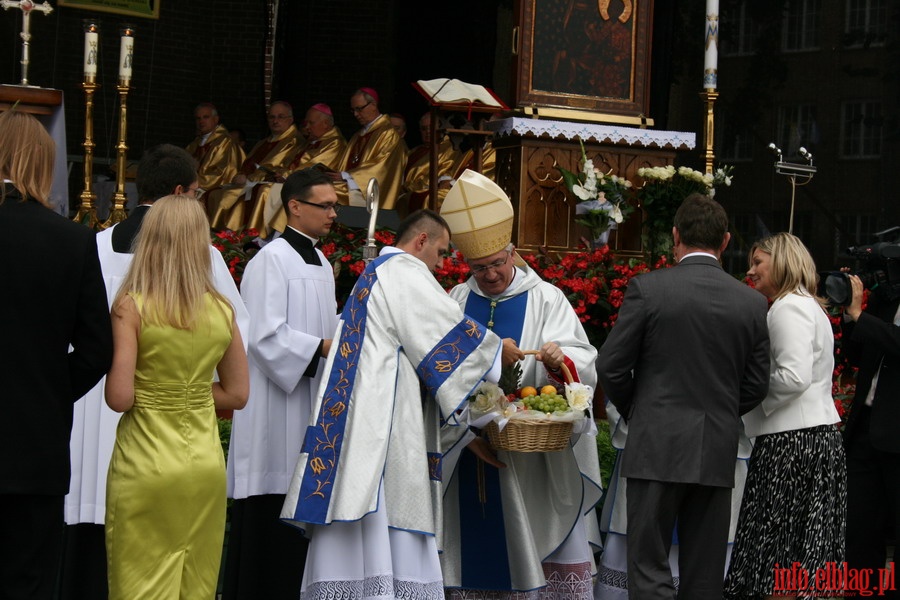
pixel 710 78
pixel 709 128
pixel 87 213
pixel 117 213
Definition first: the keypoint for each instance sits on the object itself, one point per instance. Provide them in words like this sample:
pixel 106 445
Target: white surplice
pixel 367 484
pixel 94 423
pixel 292 308
pixel 547 498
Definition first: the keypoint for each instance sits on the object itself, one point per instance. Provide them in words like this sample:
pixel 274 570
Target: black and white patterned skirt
pixel 793 514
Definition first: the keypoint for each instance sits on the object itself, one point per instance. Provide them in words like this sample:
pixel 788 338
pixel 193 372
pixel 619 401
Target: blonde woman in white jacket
pixel 794 506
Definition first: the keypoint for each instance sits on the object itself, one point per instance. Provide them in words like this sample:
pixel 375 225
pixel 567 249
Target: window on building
pixel 861 127
pixel 801 26
pixel 739 35
pixel 866 22
pixel 797 128
pixel 735 142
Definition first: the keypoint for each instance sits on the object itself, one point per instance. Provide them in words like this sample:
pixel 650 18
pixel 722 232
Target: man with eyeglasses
pixel 162 171
pixel 226 206
pixel 534 517
pixel 324 146
pixel 218 156
pixel 376 150
pixel 288 287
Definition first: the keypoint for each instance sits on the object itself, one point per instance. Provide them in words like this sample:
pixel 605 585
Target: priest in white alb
pixel 367 484
pixel 289 290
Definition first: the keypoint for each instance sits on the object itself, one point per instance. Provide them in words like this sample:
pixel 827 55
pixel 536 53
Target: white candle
pixel 91 45
pixel 125 57
pixel 711 57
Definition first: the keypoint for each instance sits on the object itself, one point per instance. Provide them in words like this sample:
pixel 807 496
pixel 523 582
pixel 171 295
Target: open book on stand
pixel 454 91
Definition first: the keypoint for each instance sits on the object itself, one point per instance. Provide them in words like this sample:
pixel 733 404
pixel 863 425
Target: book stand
pixel 467 107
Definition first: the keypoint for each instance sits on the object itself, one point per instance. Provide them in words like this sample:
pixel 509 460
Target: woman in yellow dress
pixel 165 494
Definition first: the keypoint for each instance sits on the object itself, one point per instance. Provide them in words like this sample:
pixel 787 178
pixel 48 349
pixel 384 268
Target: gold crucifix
pixel 26 6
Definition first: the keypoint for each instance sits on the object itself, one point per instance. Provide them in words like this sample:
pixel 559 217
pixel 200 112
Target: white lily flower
pixel 615 214
pixel 579 396
pixel 581 192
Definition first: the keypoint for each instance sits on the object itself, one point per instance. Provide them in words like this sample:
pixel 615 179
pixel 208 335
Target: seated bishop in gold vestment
pixel 226 206
pixel 324 145
pixel 417 177
pixel 373 151
pixel 218 157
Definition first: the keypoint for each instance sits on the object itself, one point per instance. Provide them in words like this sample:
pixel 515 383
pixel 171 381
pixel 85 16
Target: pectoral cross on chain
pixel 26 6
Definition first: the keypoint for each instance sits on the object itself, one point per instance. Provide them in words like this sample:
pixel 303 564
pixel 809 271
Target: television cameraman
pixel 872 435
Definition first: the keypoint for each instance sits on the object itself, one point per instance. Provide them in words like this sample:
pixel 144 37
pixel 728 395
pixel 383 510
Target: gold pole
pixel 709 97
pixel 117 213
pixel 87 213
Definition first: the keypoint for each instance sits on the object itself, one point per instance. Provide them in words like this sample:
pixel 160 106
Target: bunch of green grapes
pixel 546 403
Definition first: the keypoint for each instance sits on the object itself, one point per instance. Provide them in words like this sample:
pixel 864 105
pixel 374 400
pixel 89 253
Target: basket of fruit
pixel 531 420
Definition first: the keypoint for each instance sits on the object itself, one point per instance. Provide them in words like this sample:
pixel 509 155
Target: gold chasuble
pixel 268 213
pixel 378 153
pixel 467 161
pixel 417 179
pixel 218 159
pixel 225 206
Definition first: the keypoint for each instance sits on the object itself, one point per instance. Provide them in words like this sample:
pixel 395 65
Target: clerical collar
pixel 369 125
pixel 312 240
pixel 205 137
pixel 303 244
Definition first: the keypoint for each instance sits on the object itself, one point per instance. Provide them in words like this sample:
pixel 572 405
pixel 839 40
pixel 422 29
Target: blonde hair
pixel 171 270
pixel 26 155
pixel 792 267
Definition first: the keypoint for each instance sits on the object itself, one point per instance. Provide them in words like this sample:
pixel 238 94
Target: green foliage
pixel 224 434
pixel 510 376
pixel 664 189
pixel 606 451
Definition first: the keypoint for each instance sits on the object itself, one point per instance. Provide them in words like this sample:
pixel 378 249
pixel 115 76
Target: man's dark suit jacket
pixel 872 338
pixel 53 297
pixel 689 354
pixel 124 233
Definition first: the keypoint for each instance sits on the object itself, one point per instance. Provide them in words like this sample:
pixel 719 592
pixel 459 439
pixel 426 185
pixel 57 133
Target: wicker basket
pixel 538 435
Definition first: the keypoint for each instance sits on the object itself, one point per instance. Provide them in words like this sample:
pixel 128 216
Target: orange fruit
pixel 548 389
pixel 527 391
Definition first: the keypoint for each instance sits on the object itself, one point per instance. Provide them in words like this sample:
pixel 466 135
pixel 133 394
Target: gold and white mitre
pixel 479 214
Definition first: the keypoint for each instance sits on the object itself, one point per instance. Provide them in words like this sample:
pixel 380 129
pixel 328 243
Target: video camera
pixel 880 271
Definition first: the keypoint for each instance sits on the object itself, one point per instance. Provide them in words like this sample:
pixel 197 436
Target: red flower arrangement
pixel 237 248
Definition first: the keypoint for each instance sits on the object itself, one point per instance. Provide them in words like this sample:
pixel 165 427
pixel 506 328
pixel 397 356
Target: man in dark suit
pixel 163 170
pixel 53 301
pixel 688 355
pixel 872 435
